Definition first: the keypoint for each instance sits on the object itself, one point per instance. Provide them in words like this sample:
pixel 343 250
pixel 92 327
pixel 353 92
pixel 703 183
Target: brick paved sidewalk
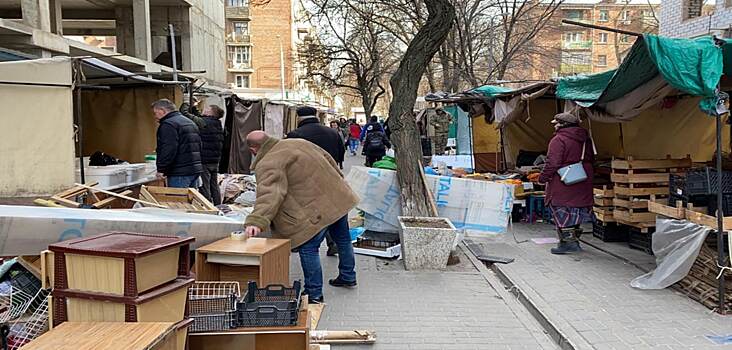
pixel 589 299
pixel 456 309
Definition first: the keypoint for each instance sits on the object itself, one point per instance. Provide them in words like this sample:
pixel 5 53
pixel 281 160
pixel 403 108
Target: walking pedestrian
pixel 570 204
pixel 301 194
pixel 375 145
pixel 178 146
pixel 355 134
pixel 212 143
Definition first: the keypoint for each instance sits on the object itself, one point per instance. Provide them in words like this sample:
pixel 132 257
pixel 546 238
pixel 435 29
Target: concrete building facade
pixel 571 49
pixel 139 28
pixel 694 18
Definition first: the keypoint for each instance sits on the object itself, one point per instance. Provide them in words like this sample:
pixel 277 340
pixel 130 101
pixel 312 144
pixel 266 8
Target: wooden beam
pixel 124 197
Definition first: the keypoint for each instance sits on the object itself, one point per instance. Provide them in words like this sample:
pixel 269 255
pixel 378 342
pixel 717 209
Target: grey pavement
pixel 588 297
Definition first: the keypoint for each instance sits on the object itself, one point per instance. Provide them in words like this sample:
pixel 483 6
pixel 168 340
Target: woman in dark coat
pixel 570 204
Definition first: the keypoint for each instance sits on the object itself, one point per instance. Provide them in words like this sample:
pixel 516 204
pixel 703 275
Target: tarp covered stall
pixel 120 122
pixel 37 147
pixel 244 117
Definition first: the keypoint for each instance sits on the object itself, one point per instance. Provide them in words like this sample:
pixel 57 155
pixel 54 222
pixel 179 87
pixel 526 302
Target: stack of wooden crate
pixel 603 205
pixel 122 277
pixel 635 182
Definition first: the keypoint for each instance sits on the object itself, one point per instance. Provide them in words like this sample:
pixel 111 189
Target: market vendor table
pixel 264 260
pixel 256 338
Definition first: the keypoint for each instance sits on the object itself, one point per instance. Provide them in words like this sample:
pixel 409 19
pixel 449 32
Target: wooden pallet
pixel 183 199
pixel 668 163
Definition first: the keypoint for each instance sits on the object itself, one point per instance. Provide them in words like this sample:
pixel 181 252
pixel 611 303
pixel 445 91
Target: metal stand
pixel 720 218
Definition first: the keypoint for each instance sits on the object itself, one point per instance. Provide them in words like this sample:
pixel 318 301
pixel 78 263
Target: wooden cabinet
pixel 256 338
pixel 264 260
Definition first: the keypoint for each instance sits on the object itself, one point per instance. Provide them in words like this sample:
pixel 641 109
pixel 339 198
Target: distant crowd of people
pixel 374 136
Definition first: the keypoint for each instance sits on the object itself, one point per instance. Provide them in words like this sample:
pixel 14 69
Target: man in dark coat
pixel 375 145
pixel 309 128
pixel 178 146
pixel 570 204
pixel 212 143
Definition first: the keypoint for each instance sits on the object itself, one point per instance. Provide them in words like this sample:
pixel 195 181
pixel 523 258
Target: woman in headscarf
pixel 570 204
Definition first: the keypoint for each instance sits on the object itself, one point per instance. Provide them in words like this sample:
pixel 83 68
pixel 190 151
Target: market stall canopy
pixel 655 67
pixel 101 72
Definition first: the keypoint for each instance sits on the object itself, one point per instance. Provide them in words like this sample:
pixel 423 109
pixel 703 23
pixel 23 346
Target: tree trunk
pixel 404 84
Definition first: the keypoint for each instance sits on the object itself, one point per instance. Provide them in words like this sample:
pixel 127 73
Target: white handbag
pixel 574 173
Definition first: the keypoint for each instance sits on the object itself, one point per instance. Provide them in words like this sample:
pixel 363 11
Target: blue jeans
pixel 310 262
pixel 353 145
pixel 189 181
pixel 346 260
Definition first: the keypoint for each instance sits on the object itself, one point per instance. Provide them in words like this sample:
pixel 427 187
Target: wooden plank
pixel 65 202
pixel 168 190
pixel 109 200
pixel 639 178
pixel 603 202
pixel 630 204
pixel 604 216
pixel 145 194
pixel 642 226
pixel 634 217
pixel 668 163
pixel 124 197
pixel 708 220
pixel 603 192
pixel 32 263
pixel 643 191
pixel 202 200
pixel 47 269
pixel 316 310
pixel 104 335
pixel 679 212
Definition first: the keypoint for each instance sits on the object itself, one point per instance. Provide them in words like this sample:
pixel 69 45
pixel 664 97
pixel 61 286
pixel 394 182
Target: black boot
pixel 567 243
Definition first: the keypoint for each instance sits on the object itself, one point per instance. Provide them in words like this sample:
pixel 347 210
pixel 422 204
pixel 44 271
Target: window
pixel 693 8
pixel 572 37
pixel 648 14
pixel 603 38
pixel 625 16
pixel 604 16
pixel 241 81
pixel 602 60
pixel 237 3
pixel 625 38
pixel 574 15
pixel 241 28
pixel 240 55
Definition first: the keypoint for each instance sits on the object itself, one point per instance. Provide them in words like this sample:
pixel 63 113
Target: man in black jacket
pixel 212 142
pixel 178 146
pixel 309 128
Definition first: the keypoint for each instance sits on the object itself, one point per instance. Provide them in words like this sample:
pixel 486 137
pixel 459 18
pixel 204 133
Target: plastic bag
pixel 676 244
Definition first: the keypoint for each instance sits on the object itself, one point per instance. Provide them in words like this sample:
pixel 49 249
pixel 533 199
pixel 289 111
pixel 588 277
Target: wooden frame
pixel 67 198
pixel 185 199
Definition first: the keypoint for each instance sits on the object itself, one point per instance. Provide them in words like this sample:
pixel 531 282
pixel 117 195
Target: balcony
pixel 237 12
pixel 239 67
pixel 238 39
pixel 569 68
pixel 577 45
pixel 577 19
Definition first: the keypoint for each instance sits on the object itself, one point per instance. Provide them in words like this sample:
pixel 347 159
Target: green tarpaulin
pixel 693 66
pixel 491 91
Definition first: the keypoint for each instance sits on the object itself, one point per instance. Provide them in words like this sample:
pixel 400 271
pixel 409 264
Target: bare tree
pixel 352 50
pixel 404 83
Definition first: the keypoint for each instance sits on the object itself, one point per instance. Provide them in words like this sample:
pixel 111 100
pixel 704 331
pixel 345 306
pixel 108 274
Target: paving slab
pixel 588 298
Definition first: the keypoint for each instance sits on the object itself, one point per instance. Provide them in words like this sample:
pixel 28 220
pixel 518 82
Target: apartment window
pixel 574 15
pixel 602 60
pixel 572 37
pixel 604 16
pixel 238 3
pixel 241 81
pixel 625 38
pixel 650 14
pixel 693 8
pixel 240 55
pixel 625 16
pixel 241 28
pixel 603 38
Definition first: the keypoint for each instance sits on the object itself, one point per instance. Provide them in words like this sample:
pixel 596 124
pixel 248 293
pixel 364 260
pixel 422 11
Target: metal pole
pixel 720 217
pixel 77 110
pixel 173 55
pixel 282 69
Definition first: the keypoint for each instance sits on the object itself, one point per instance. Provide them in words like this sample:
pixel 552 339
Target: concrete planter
pixel 426 242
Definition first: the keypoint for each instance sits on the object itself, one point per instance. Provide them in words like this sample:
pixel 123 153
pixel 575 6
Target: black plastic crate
pixel 703 181
pixel 272 306
pixel 695 200
pixel 641 240
pixel 726 204
pixel 22 279
pixel 210 323
pixel 609 232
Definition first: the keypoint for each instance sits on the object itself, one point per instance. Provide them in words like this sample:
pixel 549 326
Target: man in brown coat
pixel 300 194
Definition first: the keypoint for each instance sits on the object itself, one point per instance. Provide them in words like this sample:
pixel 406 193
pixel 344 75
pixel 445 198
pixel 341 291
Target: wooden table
pixel 264 260
pixel 107 335
pixel 256 338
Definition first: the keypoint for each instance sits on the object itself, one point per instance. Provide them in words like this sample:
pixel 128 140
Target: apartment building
pixel 134 34
pixel 694 18
pixel 571 49
pixel 261 44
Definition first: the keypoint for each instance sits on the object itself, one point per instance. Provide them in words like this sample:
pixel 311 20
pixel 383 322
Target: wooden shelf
pixel 264 260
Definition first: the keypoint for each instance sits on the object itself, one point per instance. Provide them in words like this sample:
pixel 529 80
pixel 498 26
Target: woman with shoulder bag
pixel 568 174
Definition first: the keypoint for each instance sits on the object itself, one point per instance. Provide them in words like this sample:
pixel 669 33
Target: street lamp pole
pixel 282 69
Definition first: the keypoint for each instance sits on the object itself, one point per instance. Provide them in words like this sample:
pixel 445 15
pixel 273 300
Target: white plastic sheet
pixel 473 205
pixel 676 244
pixel 29 230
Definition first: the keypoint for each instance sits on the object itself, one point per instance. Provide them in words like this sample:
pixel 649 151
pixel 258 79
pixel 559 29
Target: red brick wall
pixel 268 21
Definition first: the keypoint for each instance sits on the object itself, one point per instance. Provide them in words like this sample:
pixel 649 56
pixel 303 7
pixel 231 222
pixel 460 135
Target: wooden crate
pixel 120 263
pixel 166 303
pixel 637 191
pixel 183 199
pixel 668 163
pixel 603 202
pixel 628 216
pixel 630 203
pixel 603 214
pixel 604 192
